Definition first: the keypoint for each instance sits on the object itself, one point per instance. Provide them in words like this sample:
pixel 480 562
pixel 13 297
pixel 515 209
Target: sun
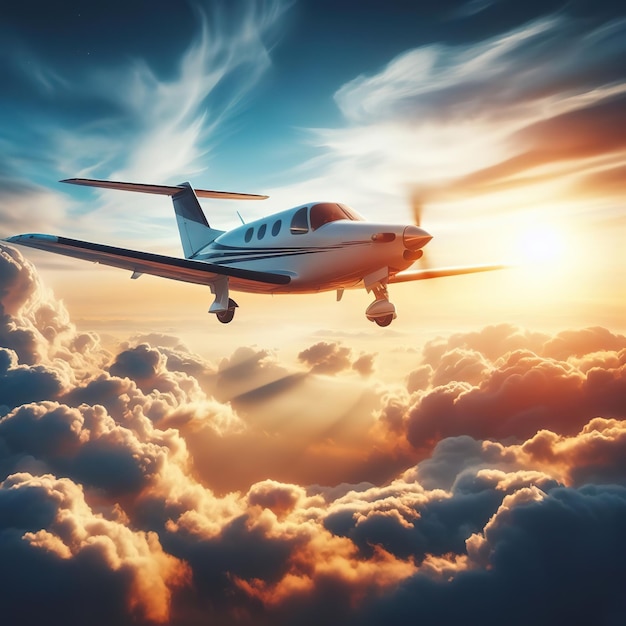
pixel 546 262
pixel 543 244
pixel 540 244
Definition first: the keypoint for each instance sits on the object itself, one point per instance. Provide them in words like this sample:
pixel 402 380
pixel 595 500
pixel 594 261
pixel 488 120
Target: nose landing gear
pixel 381 311
pixel 385 320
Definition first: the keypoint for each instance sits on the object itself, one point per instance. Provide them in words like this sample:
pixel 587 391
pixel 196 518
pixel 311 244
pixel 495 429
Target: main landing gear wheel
pixel 384 321
pixel 381 311
pixel 227 316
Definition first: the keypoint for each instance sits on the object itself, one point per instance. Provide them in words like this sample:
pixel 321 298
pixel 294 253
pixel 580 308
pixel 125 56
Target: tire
pixel 384 321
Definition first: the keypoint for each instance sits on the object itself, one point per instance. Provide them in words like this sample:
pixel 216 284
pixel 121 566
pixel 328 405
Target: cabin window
pixel 326 212
pixel 299 222
pixel 261 233
pixel 276 227
pixel 248 236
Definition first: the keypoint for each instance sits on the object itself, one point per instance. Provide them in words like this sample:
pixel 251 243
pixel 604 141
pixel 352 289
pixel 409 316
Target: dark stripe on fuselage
pixel 221 246
pixel 223 261
pixel 260 254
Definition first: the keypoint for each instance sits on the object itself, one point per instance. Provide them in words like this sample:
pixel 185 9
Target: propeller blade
pixel 417 206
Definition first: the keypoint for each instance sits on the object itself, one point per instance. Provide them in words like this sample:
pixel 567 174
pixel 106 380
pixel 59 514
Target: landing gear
pixel 384 321
pixel 381 310
pixel 227 316
pixel 223 306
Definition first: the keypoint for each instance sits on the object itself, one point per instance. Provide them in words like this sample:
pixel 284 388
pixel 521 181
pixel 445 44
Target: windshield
pixel 331 212
pixel 352 214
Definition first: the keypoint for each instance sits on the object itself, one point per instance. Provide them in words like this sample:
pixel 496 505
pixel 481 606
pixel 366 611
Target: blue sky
pixel 83 71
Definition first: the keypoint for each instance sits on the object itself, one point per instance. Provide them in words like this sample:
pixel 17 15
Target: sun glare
pixel 542 244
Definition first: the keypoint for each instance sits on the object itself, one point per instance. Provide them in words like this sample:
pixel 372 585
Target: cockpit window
pixel 352 214
pixel 331 212
pixel 299 222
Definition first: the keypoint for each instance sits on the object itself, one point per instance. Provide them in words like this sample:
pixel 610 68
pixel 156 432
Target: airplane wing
pixel 403 277
pixel 185 270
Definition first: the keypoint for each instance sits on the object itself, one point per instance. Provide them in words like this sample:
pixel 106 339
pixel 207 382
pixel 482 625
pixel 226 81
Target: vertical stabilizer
pixel 195 232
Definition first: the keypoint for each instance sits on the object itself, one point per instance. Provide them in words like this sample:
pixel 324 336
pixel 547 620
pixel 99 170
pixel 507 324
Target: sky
pixel 301 465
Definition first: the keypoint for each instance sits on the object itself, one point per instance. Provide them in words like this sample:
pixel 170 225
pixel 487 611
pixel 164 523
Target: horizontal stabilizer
pixel 164 190
pixel 185 270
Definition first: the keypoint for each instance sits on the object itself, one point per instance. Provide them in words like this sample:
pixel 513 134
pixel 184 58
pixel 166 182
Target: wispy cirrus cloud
pixel 529 110
pixel 139 121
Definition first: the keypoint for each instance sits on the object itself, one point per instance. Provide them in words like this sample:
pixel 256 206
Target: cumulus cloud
pixel 59 542
pixel 533 540
pixel 331 358
pixel 37 327
pixel 503 383
pixel 494 468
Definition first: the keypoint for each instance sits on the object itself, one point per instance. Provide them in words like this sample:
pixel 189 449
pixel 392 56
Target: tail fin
pixel 195 232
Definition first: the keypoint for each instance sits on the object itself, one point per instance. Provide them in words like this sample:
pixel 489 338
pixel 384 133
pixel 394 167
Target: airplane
pixel 313 247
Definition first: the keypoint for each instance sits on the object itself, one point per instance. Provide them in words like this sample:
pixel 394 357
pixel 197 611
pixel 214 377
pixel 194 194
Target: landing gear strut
pixel 381 310
pixel 223 306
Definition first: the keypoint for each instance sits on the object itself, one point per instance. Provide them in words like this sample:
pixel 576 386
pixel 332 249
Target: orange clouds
pixel 75 532
pixel 500 393
pixel 169 489
pixel 330 358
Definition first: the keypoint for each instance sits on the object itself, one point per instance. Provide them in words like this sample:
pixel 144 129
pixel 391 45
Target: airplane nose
pixel 415 237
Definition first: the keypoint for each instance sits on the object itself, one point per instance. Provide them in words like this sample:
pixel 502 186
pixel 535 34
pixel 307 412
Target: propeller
pixel 416 199
pixel 414 237
pixel 417 206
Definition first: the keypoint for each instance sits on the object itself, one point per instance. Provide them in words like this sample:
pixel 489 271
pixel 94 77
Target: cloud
pixel 494 468
pixel 502 383
pixel 37 327
pixel 326 358
pixel 57 541
pixel 594 455
pixel 521 119
pixel 139 121
pixel 364 364
pixel 331 358
pixel 456 81
pixel 26 207
pixel 533 539
pixel 20 384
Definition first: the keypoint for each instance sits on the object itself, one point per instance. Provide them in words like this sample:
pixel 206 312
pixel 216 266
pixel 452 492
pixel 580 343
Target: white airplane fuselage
pixel 336 255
